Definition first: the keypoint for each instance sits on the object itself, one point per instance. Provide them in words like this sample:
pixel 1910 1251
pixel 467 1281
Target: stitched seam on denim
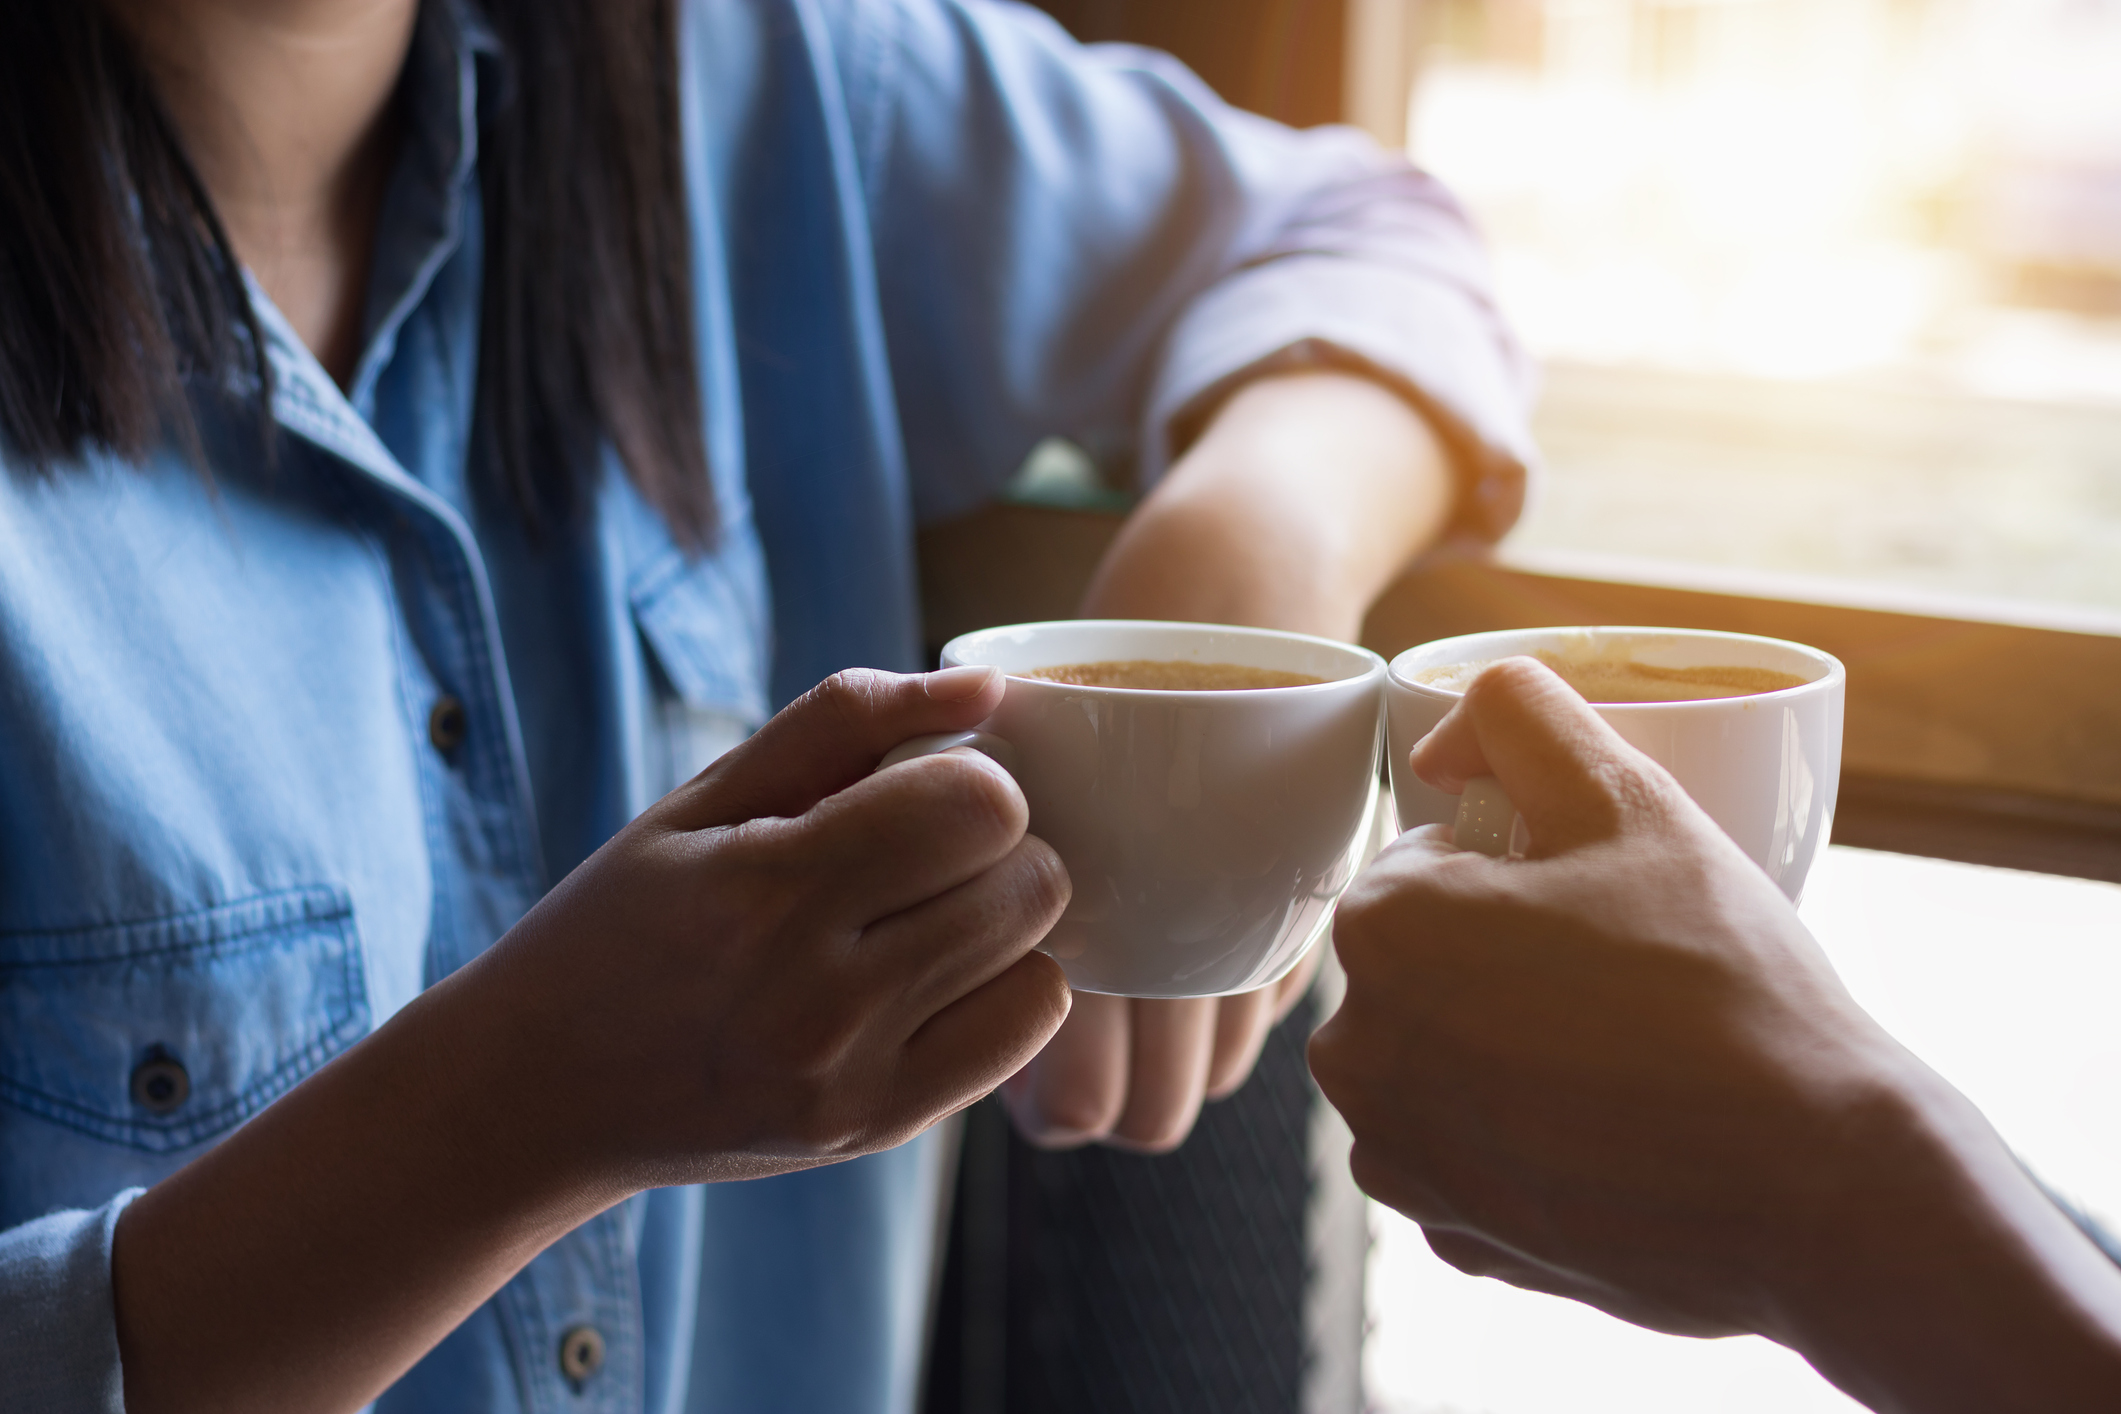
pixel 523 1307
pixel 733 684
pixel 496 764
pixel 441 881
pixel 271 912
pixel 458 647
pixel 277 1081
pixel 619 1300
pixel 668 639
pixel 654 579
pixel 879 54
pixel 159 1136
pixel 145 1134
pixel 300 409
pixel 462 162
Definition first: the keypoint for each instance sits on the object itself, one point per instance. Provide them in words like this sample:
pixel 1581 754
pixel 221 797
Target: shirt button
pixel 445 724
pixel 160 1084
pixel 581 1353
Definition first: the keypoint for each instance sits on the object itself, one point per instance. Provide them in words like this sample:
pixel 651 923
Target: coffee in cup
pixel 1209 788
pixel 1179 675
pixel 1613 674
pixel 1750 727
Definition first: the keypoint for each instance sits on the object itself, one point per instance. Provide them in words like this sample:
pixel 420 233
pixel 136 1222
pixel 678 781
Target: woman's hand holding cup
pixel 790 960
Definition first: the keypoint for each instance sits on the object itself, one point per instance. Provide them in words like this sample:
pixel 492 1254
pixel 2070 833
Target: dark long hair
pixel 121 297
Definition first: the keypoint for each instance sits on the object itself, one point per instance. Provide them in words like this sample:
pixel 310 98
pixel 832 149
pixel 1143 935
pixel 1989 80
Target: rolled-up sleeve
pixel 55 1305
pixel 1087 242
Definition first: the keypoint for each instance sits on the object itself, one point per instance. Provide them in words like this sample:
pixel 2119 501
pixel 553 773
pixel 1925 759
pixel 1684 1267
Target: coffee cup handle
pixel 1487 822
pixel 985 743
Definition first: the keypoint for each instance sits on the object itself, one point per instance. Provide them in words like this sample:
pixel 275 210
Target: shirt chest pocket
pixel 164 1034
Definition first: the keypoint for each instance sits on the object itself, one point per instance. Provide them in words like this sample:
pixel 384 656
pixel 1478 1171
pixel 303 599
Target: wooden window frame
pixel 1981 733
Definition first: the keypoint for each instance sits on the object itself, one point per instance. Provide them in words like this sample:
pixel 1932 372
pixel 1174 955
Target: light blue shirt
pixel 927 233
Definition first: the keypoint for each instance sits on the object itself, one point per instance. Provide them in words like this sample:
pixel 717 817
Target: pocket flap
pixel 705 621
pixel 164 1033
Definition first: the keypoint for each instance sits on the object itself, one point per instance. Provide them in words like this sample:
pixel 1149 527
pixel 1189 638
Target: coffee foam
pixel 1454 677
pixel 1160 675
pixel 1611 675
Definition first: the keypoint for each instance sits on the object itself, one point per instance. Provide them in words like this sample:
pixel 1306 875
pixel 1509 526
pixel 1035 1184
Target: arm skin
pixel 786 962
pixel 1305 496
pixel 1620 1070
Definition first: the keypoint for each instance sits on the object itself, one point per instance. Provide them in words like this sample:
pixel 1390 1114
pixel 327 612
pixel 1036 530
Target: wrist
pixel 1935 1275
pixel 1190 554
pixel 524 1110
pixel 1304 498
pixel 349 1226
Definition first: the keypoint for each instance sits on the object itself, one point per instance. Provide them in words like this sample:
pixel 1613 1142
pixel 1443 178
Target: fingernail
pixel 957 684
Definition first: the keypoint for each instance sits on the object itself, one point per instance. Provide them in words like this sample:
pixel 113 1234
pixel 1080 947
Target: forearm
pixel 316 1254
pixel 1948 1281
pixel 1305 496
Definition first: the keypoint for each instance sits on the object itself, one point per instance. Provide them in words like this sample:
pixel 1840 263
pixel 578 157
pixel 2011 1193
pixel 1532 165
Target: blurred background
pixel 1823 286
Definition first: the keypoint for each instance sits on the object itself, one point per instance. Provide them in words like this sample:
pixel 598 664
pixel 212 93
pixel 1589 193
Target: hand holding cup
pixel 795 958
pixel 1618 1068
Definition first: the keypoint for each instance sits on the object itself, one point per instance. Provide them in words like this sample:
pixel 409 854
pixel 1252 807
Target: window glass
pixel 1825 286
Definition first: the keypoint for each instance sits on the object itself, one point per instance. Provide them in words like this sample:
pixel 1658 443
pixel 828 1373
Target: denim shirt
pixel 236 833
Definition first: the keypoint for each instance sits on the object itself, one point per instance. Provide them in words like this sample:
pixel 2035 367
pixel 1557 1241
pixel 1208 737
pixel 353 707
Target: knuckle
pixel 987 802
pixel 1508 678
pixel 1046 992
pixel 1635 791
pixel 1389 914
pixel 1327 1053
pixel 1159 1137
pixel 1076 1114
pixel 1354 942
pixel 809 1049
pixel 1322 1057
pixel 1472 1255
pixel 1047 886
pixel 1388 1175
pixel 1357 920
pixel 825 1129
pixel 758 864
pixel 853 695
pixel 1369 1173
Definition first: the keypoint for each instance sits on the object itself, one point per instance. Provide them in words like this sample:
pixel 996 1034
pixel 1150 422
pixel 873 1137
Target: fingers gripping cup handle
pixel 1487 822
pixel 985 743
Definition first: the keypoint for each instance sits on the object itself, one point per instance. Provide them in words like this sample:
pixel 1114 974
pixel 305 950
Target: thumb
pixel 1570 775
pixel 827 739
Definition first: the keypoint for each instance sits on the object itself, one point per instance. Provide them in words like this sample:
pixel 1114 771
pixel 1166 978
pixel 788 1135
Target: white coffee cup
pixel 1766 767
pixel 1208 834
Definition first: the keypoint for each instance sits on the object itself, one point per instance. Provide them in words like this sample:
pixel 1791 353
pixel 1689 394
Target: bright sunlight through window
pixel 1824 286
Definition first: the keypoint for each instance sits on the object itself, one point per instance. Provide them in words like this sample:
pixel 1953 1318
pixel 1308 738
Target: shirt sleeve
pixel 55 1305
pixel 1085 241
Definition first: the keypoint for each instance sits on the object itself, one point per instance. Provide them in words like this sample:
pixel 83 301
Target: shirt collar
pixel 422 220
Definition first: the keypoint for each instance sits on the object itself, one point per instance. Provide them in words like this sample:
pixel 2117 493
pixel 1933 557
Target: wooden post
pixel 1282 58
